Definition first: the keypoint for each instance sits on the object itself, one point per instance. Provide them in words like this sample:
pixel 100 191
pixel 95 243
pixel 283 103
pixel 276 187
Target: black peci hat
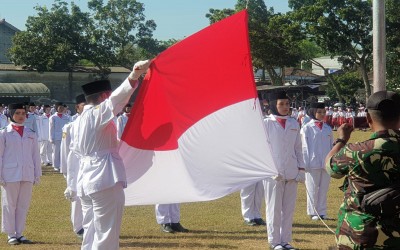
pixel 16 106
pixel 80 98
pixel 317 105
pixel 96 87
pixel 277 95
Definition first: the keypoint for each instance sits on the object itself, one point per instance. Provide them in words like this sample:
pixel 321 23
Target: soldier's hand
pixel 344 131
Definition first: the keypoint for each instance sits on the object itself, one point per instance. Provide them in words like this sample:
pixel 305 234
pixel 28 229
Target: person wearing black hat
pixel 32 118
pixel 70 167
pixel 283 133
pixel 101 176
pixel 56 123
pixel 317 139
pixel 46 149
pixel 369 166
pixel 19 169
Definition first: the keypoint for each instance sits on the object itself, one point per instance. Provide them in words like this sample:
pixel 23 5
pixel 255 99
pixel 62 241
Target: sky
pixel 174 18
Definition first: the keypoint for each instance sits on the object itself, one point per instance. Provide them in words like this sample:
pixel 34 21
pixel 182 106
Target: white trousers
pixel 317 184
pixel 102 216
pixel 168 213
pixel 46 151
pixel 76 215
pixel 280 198
pixel 56 154
pixel 251 198
pixel 15 201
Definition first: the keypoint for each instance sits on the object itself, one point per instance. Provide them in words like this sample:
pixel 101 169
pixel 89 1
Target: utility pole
pixel 379 45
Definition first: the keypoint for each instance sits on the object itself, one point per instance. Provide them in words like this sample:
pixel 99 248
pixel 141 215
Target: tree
pixel 340 28
pixel 393 44
pixel 112 34
pixel 349 81
pixel 274 38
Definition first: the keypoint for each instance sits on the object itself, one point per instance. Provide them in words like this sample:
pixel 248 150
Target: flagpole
pixel 379 45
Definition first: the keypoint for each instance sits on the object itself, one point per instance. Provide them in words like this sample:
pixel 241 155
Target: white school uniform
pixel 31 122
pixel 3 121
pixel 280 196
pixel 251 198
pixel 121 123
pixel 101 176
pixel 69 168
pixel 168 213
pixel 316 145
pixel 19 169
pixel 44 139
pixel 55 128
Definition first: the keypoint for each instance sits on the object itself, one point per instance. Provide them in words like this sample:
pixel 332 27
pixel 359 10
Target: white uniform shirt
pixel 65 147
pixel 285 146
pixel 19 156
pixel 316 144
pixel 73 118
pixel 73 161
pixel 3 121
pixel 44 132
pixel 55 126
pixel 121 123
pixel 31 122
pixel 362 114
pixel 96 141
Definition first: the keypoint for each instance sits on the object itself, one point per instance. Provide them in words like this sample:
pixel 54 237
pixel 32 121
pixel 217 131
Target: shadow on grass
pixel 178 245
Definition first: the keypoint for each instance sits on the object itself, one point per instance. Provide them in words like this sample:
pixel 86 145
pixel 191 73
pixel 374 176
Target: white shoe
pixel 315 217
pixel 277 247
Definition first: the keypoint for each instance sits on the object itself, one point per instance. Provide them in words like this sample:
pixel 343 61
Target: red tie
pixel 319 125
pixel 27 116
pixel 281 121
pixel 59 115
pixel 48 115
pixel 19 129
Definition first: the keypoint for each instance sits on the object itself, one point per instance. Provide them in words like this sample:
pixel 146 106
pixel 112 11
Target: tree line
pixel 116 33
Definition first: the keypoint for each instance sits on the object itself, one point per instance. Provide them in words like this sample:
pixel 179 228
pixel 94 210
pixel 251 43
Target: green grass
pixel 213 225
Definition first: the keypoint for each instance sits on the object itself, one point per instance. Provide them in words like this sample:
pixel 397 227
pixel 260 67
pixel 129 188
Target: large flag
pixel 196 130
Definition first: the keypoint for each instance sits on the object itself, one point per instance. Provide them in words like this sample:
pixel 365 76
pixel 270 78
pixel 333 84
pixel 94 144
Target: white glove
pixel 301 177
pixel 70 194
pixel 3 183
pixel 36 181
pixel 278 177
pixel 138 69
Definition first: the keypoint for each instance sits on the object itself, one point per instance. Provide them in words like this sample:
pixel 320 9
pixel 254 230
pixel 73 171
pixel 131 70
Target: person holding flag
pixel 101 177
pixel 283 134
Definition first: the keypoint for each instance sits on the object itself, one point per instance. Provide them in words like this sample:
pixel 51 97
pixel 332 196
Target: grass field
pixel 213 225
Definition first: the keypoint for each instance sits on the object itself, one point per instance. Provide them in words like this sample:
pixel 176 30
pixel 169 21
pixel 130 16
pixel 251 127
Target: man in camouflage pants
pixel 368 166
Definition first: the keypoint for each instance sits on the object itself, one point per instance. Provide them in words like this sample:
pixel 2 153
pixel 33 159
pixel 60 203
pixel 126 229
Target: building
pixel 7 31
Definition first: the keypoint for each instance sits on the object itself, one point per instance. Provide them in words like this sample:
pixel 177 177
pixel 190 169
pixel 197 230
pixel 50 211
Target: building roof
pixel 12 67
pixel 23 89
pixel 3 22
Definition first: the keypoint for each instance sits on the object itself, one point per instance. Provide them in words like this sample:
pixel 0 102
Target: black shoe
pixel 167 228
pixel 79 234
pixel 260 222
pixel 250 223
pixel 177 227
pixel 13 241
pixel 24 240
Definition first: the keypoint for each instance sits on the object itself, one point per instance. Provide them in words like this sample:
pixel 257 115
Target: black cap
pixel 384 101
pixel 16 106
pixel 128 105
pixel 277 95
pixel 317 105
pixel 46 106
pixel 80 98
pixel 32 104
pixel 96 87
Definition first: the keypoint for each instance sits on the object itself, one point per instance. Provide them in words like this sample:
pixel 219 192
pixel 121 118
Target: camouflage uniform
pixel 368 166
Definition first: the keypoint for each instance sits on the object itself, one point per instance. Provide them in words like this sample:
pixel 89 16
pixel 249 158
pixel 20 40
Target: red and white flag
pixel 196 131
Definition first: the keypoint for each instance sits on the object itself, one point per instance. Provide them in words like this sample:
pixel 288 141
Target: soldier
pixel 368 166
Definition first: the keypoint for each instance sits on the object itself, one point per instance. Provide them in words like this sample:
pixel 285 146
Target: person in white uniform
pixel 283 134
pixel 122 120
pixel 168 216
pixel 317 140
pixel 101 177
pixel 57 122
pixel 19 169
pixel 32 119
pixel 70 166
pixel 44 137
pixel 251 198
pixel 3 118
